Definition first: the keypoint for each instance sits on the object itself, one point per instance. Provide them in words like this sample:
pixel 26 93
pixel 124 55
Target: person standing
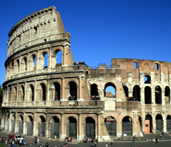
pixel 30 143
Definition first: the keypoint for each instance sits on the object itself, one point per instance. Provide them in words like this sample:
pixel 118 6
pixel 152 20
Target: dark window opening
pixel 135 65
pixel 57 91
pixel 72 91
pixel 167 94
pixel 126 90
pixel 158 95
pixel 156 66
pixel 110 90
pixel 94 92
pixel 147 79
pixel 148 95
pixel 136 93
pixel 43 92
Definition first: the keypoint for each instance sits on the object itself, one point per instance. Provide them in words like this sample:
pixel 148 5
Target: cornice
pixel 31 16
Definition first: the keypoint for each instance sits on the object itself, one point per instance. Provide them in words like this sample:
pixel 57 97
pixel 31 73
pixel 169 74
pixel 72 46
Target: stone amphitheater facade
pixel 69 98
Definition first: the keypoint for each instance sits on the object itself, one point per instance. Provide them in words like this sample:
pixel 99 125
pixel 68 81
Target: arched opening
pixel 148 124
pixel 22 93
pixel 13 124
pixel 147 95
pixel 94 92
pixel 58 58
pixel 35 60
pixel 41 126
pixel 168 123
pixel 110 123
pixel 167 94
pixel 140 122
pixel 72 91
pixel 158 95
pixel 110 90
pixel 125 90
pixel 90 127
pixel 72 132
pixel 55 127
pixel 25 64
pixel 45 60
pixel 159 123
pixel 127 126
pixel 147 79
pixel 30 125
pixel 157 66
pixel 136 93
pixel 43 91
pixel 18 66
pixel 57 91
pixel 32 92
pixel 8 122
pixel 20 124
pixel 15 94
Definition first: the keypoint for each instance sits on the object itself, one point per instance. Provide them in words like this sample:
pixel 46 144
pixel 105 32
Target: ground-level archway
pixel 20 124
pixel 159 123
pixel 168 123
pixel 55 127
pixel 90 127
pixel 72 127
pixel 41 126
pixel 110 123
pixel 29 125
pixel 148 124
pixel 127 126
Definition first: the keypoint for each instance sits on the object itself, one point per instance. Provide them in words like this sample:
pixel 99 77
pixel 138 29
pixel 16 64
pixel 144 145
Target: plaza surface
pixel 164 141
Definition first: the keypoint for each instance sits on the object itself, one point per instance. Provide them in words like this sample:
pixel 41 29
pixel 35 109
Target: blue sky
pixel 101 29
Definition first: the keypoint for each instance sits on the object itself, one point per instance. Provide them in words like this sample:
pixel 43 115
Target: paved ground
pixel 125 142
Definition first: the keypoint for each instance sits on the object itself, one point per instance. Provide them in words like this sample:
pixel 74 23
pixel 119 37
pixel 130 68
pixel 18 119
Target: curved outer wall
pixel 72 94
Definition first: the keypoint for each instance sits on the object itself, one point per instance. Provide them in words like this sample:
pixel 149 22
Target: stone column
pixel 153 96
pixel 50 59
pixel 62 135
pixel 16 123
pixel 24 123
pixel 80 88
pixel 142 96
pixel 163 97
pixel 35 127
pixel 10 128
pixel 164 123
pixel 153 123
pixel 80 137
pixel 98 126
pixel 119 125
pixel 47 132
pixel 62 88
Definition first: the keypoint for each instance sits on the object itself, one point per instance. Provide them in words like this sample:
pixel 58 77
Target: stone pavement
pixel 164 141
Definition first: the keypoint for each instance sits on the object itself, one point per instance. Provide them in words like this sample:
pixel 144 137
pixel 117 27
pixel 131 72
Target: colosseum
pixel 70 98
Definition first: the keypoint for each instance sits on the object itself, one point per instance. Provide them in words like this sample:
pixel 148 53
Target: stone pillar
pixel 98 126
pixel 35 90
pixel 62 88
pixel 50 59
pixel 35 127
pixel 142 96
pixel 62 135
pixel 164 123
pixel 163 97
pixel 80 136
pixel 153 96
pixel 153 123
pixel 119 125
pixel 10 128
pixel 16 123
pixel 47 132
pixel 80 88
pixel 25 124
